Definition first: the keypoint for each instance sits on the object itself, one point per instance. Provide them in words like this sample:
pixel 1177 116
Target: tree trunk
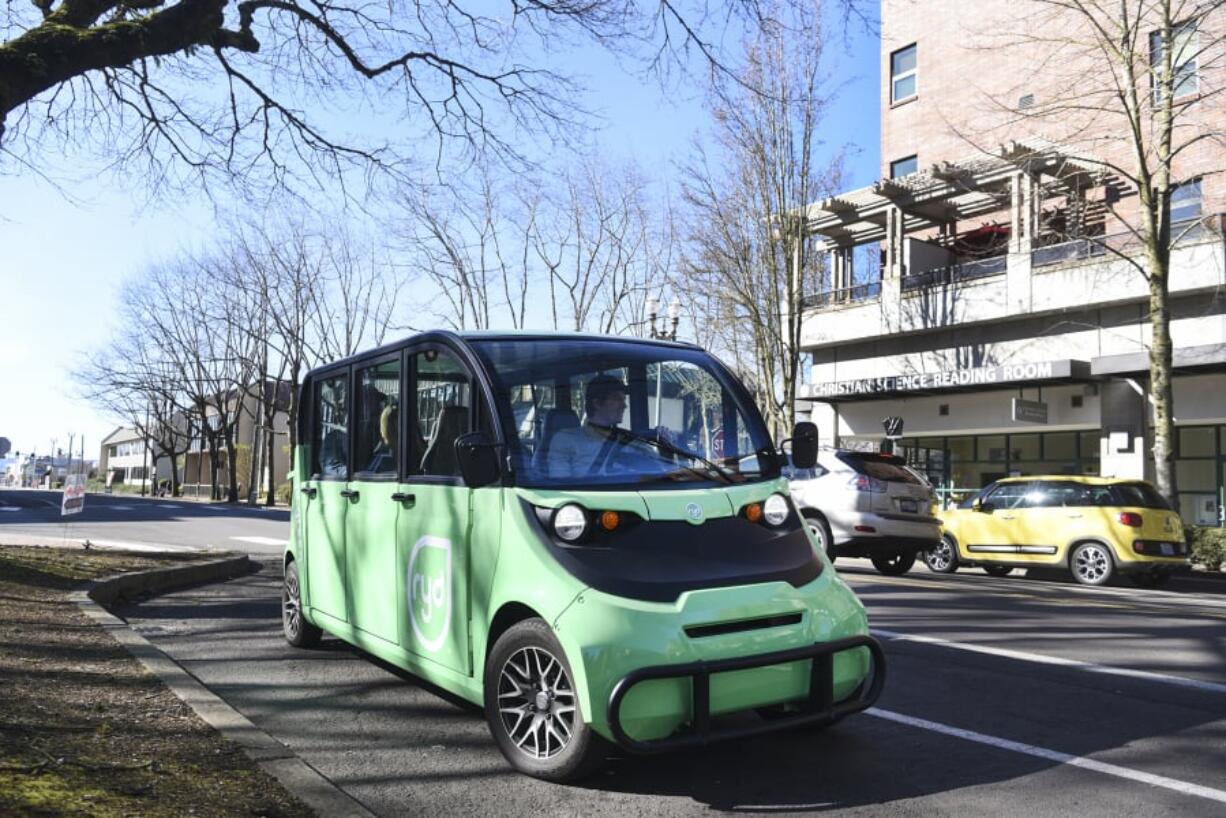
pixel 1160 390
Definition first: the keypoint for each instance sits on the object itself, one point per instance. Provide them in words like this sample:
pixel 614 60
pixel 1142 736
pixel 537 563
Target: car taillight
pixel 866 484
pixel 1130 519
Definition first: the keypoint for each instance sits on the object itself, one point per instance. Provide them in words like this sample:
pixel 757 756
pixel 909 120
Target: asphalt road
pixel 1004 697
pixel 132 521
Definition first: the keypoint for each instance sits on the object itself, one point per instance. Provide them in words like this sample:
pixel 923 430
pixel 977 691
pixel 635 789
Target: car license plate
pixel 908 505
pixel 1167 549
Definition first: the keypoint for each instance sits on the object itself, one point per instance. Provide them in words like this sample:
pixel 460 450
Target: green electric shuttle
pixel 590 536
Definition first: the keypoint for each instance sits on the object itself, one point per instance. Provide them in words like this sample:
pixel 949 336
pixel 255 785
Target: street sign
pixel 73 500
pixel 1029 411
pixel 893 427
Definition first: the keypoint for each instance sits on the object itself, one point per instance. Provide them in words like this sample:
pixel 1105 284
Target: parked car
pixel 1096 527
pixel 867 504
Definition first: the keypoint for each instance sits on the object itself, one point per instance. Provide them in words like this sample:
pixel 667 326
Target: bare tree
pixel 747 266
pixel 193 91
pixel 1132 88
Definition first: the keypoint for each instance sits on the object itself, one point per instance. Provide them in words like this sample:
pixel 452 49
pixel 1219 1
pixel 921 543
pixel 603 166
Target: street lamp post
pixel 666 332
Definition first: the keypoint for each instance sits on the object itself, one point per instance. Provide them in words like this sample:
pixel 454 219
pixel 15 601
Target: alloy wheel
pixel 1091 564
pixel 940 557
pixel 291 606
pixel 536 702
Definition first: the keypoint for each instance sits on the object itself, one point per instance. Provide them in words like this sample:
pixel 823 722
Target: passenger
pixel 585 450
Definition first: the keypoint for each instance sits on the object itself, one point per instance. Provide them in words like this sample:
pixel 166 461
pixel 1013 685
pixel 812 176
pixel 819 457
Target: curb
pixel 270 755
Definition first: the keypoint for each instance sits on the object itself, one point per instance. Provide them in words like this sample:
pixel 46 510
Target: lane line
pixel 116 508
pixel 262 540
pixel 1184 787
pixel 167 505
pixel 1024 589
pixel 10 508
pixel 1042 659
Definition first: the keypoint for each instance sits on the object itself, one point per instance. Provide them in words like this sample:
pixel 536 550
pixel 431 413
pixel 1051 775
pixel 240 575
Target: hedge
pixel 1208 546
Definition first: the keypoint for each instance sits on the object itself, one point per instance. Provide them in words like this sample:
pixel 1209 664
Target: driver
pixel 576 452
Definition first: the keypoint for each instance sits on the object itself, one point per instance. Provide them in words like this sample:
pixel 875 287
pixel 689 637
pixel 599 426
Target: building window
pixel 903 167
pixel 903 76
pixel 1186 201
pixel 1184 48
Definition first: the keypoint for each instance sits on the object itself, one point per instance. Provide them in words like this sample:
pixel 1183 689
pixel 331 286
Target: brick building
pixel 993 260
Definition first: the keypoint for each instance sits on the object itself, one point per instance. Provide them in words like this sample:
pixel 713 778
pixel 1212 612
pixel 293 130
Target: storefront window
pixel 1025 447
pixel 992 447
pixel 1197 442
pixel 1089 445
pixel 961 448
pixel 1196 475
pixel 1061 446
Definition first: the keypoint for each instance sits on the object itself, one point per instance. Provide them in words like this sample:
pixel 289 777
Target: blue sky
pixel 62 261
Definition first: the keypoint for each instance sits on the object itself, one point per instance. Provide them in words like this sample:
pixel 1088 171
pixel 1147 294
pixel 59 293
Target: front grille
pixel 761 623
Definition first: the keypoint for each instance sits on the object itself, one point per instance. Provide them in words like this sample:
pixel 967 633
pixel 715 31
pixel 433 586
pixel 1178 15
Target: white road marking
pixel 262 540
pixel 1039 658
pixel 116 508
pixel 10 508
pixel 168 505
pixel 1115 770
pixel 213 508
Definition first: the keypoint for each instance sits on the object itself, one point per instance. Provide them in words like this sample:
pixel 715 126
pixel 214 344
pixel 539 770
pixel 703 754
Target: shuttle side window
pixel 331 431
pixel 442 397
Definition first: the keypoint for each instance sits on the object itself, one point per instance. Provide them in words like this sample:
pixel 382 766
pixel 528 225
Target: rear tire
pixel 820 531
pixel 533 710
pixel 998 570
pixel 298 632
pixel 1091 564
pixel 943 559
pixel 894 565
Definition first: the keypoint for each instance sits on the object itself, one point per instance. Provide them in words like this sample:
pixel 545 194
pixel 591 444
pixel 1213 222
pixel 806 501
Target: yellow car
pixel 1096 527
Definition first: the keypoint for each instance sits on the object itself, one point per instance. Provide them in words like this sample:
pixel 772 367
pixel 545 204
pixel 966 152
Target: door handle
pixel 1073 515
pixel 1007 516
pixel 350 494
pixel 309 491
pixel 401 497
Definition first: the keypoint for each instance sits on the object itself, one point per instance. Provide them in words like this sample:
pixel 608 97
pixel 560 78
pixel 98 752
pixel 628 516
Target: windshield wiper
pixel 671 448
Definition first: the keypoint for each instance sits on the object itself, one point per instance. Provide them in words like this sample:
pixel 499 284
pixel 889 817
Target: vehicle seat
pixel 440 456
pixel 555 420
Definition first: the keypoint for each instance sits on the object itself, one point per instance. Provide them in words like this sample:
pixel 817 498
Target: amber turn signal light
pixel 753 512
pixel 610 520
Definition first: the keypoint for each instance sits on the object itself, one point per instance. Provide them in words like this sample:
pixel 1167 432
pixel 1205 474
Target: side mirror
pixel 981 506
pixel 804 445
pixel 477 456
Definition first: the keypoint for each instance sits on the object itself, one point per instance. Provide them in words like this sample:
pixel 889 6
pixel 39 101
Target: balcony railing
pixel 843 295
pixel 1186 231
pixel 955 273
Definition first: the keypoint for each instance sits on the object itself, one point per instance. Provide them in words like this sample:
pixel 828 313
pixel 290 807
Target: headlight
pixel 775 509
pixel 570 522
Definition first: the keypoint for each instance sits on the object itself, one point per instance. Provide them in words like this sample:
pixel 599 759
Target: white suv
pixel 866 504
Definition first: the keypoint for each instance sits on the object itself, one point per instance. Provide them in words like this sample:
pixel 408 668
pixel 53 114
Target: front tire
pixel 298 632
pixel 942 559
pixel 1091 564
pixel 820 531
pixel 532 707
pixel 894 565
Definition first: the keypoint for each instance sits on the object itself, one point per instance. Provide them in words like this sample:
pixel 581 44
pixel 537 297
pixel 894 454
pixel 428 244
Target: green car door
pixel 432 526
pixel 374 499
pixel 326 507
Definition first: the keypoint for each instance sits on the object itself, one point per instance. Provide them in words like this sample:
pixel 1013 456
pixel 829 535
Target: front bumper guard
pixel 818 708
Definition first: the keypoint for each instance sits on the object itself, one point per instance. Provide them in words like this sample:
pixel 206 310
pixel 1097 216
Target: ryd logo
pixel 429 591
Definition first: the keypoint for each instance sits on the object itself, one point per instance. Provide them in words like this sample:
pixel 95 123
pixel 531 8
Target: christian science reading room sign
pixel 951 379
